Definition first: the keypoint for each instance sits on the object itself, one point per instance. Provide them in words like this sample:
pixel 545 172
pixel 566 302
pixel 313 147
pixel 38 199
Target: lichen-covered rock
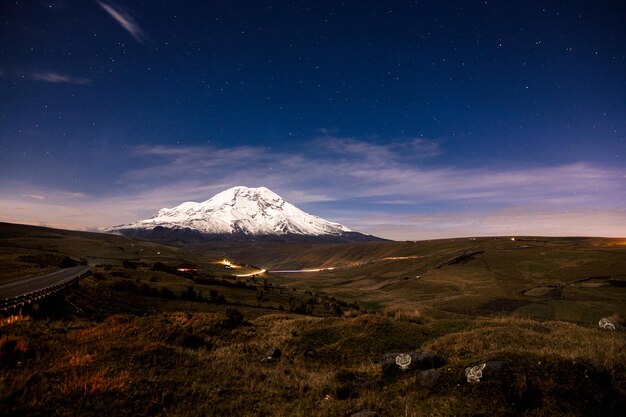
pixel 474 373
pixel 606 324
pixel 399 363
pixel 487 370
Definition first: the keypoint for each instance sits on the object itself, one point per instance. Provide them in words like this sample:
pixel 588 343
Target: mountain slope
pixel 239 212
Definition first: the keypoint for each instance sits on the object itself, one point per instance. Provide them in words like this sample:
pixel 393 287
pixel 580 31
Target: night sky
pixel 404 119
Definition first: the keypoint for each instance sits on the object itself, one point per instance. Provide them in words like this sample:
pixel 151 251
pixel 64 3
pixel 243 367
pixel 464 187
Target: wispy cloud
pixel 508 222
pixel 381 174
pixel 378 189
pixel 125 20
pixel 400 149
pixel 35 196
pixel 56 78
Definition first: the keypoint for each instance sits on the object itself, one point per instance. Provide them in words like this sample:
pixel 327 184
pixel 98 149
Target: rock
pixel 606 324
pixel 272 355
pixel 487 370
pixel 428 379
pixel 365 413
pixel 399 363
pixel 474 373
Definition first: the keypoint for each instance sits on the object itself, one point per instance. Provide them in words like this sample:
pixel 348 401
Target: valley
pixel 459 276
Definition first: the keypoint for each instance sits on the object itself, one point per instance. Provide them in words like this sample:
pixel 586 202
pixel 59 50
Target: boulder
pixel 428 378
pixel 400 363
pixel 484 371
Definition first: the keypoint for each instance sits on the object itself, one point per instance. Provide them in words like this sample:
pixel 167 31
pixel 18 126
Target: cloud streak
pixel 56 78
pixel 35 196
pixel 125 20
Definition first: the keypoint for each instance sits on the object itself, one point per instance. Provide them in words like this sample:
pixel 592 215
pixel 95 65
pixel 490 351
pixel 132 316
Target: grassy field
pixel 573 279
pixel 139 337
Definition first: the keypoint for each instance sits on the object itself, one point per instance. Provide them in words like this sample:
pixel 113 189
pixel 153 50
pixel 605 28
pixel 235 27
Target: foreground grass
pixel 188 364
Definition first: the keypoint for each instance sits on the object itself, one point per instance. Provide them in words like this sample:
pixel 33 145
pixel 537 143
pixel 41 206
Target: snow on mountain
pixel 239 210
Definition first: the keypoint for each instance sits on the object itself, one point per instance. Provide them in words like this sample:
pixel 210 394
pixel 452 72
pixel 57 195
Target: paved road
pixel 42 284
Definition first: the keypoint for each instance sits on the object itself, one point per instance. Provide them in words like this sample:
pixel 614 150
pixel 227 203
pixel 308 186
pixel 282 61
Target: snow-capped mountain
pixel 239 211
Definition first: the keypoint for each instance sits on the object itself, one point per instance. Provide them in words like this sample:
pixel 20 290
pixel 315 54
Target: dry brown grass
pixel 618 319
pixel 525 336
pixel 13 349
pixel 79 359
pixel 145 365
pixel 352 313
pixel 407 315
pixel 5 321
pixel 97 382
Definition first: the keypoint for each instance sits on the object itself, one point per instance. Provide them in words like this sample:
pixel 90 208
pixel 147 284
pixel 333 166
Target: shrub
pixel 234 318
pixel 13 349
pixel 129 264
pixel 618 319
pixel 350 314
pixel 303 309
pixel 145 290
pixel 68 262
pixel 189 294
pixel 167 294
pixel 98 275
pixel 128 286
pixel 338 310
pixel 160 267
pixel 216 297
pixel 142 289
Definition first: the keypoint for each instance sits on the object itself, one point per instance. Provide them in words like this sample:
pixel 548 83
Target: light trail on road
pixel 260 271
pixel 296 271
